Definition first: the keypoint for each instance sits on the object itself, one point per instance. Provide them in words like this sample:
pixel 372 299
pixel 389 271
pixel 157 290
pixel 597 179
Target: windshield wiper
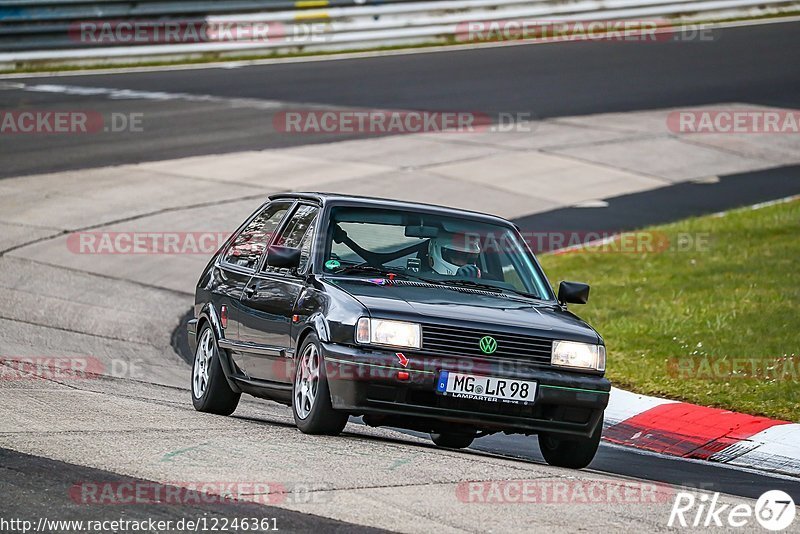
pixel 468 283
pixel 485 286
pixel 404 275
pixel 375 270
pixel 362 269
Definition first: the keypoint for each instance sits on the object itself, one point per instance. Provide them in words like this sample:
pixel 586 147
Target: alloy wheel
pixel 202 362
pixel 306 381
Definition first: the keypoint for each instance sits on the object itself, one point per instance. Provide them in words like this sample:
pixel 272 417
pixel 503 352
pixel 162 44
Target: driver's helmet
pixel 447 252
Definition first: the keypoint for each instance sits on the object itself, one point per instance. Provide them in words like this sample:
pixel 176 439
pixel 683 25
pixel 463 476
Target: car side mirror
pixel 573 293
pixel 283 257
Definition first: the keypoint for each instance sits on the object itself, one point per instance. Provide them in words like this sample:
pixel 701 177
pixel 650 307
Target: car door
pixel 237 265
pixel 269 299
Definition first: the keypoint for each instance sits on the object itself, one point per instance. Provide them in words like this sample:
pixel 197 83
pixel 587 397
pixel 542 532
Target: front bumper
pixel 365 381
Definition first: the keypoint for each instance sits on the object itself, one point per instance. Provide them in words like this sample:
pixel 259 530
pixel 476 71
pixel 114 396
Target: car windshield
pixel 435 248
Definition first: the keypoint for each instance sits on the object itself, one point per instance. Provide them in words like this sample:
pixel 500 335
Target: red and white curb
pixel 697 432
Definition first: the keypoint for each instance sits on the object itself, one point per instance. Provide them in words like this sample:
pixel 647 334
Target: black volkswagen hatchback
pixel 409 315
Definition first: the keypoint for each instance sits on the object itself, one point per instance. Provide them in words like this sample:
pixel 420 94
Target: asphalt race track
pixel 751 65
pixel 24 475
pixel 144 428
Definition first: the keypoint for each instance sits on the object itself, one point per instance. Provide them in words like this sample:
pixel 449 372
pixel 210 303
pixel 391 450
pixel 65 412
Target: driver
pixel 453 254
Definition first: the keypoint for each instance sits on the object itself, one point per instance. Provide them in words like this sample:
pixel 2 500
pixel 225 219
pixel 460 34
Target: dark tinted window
pixel 248 246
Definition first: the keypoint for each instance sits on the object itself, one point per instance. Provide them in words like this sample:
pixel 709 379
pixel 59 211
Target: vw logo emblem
pixel 488 344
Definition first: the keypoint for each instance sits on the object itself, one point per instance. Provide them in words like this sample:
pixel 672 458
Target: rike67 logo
pixel 774 510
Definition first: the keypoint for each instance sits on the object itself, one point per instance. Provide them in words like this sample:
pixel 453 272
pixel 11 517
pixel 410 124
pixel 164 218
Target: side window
pixel 296 229
pixel 248 246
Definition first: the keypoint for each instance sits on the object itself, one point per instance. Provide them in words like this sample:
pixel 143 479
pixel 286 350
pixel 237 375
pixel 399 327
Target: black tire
pixel 318 417
pixel 571 452
pixel 452 440
pixel 217 397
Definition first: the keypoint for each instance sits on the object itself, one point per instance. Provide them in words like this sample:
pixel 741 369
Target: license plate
pixel 486 388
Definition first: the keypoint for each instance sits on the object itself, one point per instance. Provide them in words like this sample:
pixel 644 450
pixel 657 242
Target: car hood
pixel 446 306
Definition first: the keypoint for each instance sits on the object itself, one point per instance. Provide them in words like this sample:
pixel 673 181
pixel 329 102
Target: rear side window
pixel 248 246
pixel 297 227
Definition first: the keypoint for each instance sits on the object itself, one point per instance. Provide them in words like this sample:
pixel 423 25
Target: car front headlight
pixel 389 333
pixel 579 355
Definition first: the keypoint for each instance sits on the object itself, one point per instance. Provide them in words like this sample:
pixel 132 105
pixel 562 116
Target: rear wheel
pixel 571 452
pixel 311 398
pixel 452 440
pixel 210 390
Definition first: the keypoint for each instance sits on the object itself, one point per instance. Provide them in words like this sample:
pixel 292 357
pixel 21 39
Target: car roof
pixel 332 199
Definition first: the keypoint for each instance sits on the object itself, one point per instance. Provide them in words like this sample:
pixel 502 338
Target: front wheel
pixel 210 390
pixel 311 398
pixel 571 452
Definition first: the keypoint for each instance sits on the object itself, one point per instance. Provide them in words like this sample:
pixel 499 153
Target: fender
pixel 314 322
pixel 320 326
pixel 209 312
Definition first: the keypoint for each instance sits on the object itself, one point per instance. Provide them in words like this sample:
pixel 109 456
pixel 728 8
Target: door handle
pixel 249 291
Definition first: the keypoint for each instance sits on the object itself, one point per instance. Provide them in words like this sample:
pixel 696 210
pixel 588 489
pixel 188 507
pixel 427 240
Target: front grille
pixel 458 341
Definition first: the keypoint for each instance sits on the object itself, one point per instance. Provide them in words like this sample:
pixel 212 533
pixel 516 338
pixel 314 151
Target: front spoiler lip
pixel 483 421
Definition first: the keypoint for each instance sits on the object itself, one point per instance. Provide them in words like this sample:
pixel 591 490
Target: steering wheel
pixel 469 271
